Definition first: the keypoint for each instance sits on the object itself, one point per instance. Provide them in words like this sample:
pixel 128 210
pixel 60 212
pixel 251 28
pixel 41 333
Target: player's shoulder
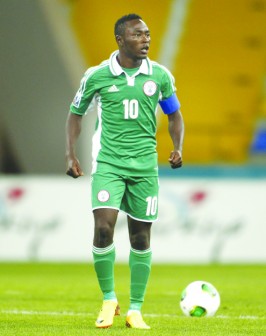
pixel 161 70
pixel 97 69
pixel 159 67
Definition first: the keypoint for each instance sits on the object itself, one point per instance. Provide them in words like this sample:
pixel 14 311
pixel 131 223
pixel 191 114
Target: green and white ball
pixel 200 298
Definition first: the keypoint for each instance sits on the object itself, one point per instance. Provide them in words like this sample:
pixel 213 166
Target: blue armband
pixel 170 105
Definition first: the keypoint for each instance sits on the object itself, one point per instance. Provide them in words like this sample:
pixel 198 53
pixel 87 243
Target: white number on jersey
pixel 151 205
pixel 131 108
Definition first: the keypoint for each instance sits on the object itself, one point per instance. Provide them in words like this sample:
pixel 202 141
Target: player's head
pixel 132 36
pixel 120 24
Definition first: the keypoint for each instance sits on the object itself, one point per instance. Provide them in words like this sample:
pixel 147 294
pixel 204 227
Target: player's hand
pixel 73 168
pixel 175 159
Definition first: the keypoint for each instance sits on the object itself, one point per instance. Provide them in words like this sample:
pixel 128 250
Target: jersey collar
pixel 115 68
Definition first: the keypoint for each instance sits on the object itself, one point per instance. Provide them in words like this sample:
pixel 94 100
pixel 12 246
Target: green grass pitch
pixel 63 299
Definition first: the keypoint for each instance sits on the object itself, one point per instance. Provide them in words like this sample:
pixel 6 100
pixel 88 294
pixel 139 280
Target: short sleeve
pixel 84 95
pixel 168 84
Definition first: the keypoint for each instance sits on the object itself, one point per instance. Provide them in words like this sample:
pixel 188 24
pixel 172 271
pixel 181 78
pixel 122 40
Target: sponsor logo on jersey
pixel 149 88
pixel 113 88
pixel 103 196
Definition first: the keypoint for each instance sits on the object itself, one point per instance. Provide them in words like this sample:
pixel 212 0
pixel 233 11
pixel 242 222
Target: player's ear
pixel 119 40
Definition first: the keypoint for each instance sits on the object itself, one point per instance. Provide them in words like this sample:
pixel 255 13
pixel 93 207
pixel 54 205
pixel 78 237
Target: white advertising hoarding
pixel 200 221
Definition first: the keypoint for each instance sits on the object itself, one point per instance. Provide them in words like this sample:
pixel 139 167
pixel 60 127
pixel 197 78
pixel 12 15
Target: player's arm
pixel 171 107
pixel 78 108
pixel 73 129
pixel 176 131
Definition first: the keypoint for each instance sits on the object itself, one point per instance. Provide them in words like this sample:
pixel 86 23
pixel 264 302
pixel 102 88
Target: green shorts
pixel 136 196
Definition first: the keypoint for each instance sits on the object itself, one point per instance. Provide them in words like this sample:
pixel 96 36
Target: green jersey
pixel 125 136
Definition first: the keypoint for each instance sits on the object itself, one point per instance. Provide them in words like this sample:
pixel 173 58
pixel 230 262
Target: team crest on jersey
pixel 103 196
pixel 149 88
pixel 77 99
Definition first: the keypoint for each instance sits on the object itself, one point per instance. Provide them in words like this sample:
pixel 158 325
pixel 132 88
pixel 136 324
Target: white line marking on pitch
pixel 69 313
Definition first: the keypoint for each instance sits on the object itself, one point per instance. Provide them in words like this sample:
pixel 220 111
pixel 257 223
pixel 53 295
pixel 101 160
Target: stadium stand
pixel 220 72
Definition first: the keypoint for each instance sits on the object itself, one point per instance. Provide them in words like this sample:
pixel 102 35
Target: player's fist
pixel 175 159
pixel 73 168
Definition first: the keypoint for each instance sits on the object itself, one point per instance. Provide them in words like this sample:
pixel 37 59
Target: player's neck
pixel 126 62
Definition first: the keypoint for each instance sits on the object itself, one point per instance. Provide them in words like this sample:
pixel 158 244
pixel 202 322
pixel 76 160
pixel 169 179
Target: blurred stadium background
pixel 216 51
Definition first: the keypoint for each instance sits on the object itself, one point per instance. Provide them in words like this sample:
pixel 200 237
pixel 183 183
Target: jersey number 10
pixel 131 108
pixel 151 205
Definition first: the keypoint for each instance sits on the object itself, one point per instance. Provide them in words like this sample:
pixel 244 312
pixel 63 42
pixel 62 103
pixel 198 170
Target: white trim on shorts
pixel 138 219
pixel 105 207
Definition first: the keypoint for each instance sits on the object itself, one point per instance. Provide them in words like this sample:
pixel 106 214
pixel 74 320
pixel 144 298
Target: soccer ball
pixel 200 298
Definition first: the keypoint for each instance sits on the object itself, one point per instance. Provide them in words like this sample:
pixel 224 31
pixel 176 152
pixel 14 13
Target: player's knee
pixel 104 233
pixel 140 240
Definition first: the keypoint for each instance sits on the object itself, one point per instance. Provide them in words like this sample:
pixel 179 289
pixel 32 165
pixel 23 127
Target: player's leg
pixel 139 260
pixel 140 202
pixel 104 258
pixel 140 267
pixel 107 192
pixel 104 250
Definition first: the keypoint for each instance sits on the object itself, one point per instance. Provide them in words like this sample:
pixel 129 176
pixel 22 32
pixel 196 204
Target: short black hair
pixel 120 23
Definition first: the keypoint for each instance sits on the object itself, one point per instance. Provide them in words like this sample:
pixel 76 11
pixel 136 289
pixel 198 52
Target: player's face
pixel 135 42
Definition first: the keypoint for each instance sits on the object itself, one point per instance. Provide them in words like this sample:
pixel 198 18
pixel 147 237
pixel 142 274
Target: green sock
pixel 140 267
pixel 104 259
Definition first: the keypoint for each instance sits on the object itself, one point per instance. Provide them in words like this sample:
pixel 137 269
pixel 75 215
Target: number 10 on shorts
pixel 151 205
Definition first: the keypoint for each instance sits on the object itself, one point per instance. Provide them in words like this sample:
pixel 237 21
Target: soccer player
pixel 127 88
